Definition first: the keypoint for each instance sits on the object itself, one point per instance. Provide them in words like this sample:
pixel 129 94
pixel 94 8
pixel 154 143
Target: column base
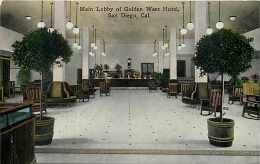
pixel 59 89
pixel 60 94
pixel 173 81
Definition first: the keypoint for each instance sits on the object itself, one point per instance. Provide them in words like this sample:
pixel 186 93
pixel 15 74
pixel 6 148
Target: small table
pixel 252 108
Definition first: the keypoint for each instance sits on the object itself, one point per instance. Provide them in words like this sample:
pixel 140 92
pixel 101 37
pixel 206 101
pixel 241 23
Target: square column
pixel 201 24
pixel 85 53
pixel 161 57
pixel 59 24
pixel 173 55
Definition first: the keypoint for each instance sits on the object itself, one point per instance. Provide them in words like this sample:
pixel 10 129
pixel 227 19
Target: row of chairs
pixel 208 97
pixel 33 95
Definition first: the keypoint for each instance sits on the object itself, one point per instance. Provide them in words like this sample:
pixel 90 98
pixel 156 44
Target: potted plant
pixel 38 51
pixel 106 67
pixel 118 68
pixel 223 52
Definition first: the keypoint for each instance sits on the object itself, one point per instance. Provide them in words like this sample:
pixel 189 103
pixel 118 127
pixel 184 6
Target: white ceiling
pixel 127 30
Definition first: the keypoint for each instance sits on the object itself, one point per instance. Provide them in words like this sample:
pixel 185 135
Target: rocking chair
pixel 236 95
pixel 213 104
pixel 32 95
pixel 173 90
pixel 189 92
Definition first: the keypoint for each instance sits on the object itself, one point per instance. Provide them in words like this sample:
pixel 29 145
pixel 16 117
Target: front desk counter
pixel 17 134
pixel 124 82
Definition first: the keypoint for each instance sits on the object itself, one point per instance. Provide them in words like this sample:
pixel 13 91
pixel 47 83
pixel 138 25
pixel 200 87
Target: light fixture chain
pixel 208 14
pixel 70 11
pixel 219 11
pixel 163 35
pixel 42 11
pixel 51 14
pixel 77 5
pixel 190 11
pixel 183 15
pixel 166 30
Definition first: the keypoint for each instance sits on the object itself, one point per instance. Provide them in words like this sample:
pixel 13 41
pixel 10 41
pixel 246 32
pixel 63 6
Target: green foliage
pixel 118 67
pixel 24 76
pixel 106 66
pixel 157 76
pixel 164 78
pixel 39 49
pixel 224 52
pixel 236 82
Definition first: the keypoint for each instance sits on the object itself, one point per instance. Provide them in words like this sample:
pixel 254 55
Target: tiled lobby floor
pixel 131 119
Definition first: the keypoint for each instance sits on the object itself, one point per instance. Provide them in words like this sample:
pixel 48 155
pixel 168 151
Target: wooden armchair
pixel 11 89
pixel 252 108
pixel 173 90
pixel 84 94
pixel 189 92
pixel 236 94
pixel 32 95
pixel 213 104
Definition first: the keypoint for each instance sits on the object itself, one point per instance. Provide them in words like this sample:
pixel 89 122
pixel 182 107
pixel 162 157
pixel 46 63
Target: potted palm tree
pixel 38 51
pixel 223 52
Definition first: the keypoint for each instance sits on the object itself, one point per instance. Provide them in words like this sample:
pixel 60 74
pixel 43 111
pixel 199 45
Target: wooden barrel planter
pixel 221 133
pixel 44 130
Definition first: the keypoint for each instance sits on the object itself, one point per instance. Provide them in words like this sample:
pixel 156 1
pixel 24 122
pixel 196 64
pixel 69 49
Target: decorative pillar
pixel 57 87
pixel 200 18
pixel 59 24
pixel 85 53
pixel 173 55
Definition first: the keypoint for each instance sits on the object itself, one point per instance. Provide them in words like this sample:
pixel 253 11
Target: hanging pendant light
pixel 154 48
pixel 51 29
pixel 95 39
pixel 104 49
pixel 190 25
pixel 167 51
pixel 163 39
pixel 183 45
pixel 179 47
pixel 166 45
pixel 183 30
pixel 75 44
pixel 179 33
pixel 76 28
pixel 90 50
pixel 79 42
pixel 209 30
pixel 41 24
pixel 92 45
pixel 219 24
pixel 69 24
